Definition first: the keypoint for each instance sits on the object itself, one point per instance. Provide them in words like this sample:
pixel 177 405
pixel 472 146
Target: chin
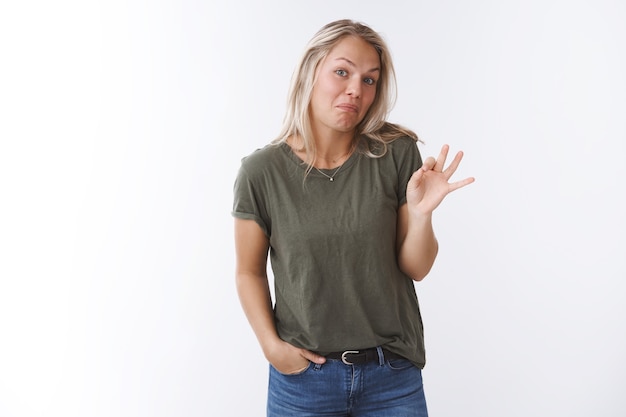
pixel 346 127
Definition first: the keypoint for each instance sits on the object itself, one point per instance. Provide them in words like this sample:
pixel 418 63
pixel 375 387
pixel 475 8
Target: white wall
pixel 122 124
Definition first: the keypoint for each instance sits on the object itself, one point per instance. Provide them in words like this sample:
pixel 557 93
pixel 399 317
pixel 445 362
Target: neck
pixel 329 153
pixel 332 146
pixel 334 155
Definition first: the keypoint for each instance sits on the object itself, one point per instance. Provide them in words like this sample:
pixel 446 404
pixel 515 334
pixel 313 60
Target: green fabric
pixel 332 248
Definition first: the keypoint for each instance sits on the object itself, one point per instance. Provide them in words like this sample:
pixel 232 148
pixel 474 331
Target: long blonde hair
pixel 374 125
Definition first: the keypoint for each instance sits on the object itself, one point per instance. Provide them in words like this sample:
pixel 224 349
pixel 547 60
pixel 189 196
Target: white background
pixel 122 124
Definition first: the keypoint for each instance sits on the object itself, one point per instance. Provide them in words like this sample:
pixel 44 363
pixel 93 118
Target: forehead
pixel 355 50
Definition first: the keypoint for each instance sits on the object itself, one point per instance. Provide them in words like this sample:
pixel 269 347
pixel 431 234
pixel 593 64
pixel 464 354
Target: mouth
pixel 348 107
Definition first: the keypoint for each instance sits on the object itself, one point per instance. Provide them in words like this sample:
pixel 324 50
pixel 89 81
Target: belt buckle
pixel 347 352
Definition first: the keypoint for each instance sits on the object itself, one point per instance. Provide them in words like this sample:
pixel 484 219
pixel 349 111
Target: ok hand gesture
pixel 430 184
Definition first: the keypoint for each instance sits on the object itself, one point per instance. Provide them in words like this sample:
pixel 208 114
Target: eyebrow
pixel 352 64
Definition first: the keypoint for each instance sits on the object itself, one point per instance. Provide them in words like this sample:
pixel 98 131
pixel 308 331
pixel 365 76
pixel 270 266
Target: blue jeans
pixel 386 388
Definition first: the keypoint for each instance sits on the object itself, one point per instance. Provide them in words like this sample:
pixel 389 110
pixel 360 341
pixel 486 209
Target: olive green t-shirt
pixel 337 283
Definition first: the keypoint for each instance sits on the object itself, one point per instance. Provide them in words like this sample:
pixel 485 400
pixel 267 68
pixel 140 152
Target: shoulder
pixel 401 148
pixel 405 153
pixel 402 144
pixel 262 158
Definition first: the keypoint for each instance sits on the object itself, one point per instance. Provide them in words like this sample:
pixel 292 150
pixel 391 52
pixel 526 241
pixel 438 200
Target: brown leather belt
pixel 357 357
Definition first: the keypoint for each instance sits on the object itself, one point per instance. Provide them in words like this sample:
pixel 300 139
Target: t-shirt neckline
pixel 333 172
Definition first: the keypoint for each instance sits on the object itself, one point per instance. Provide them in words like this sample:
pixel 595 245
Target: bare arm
pixel 251 246
pixel 417 245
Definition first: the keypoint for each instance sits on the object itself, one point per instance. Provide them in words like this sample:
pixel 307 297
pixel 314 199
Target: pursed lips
pixel 348 107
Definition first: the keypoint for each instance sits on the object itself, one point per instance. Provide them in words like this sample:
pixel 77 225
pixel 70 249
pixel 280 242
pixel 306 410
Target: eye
pixel 341 73
pixel 369 81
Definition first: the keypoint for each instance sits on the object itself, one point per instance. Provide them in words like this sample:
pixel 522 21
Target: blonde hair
pixel 374 125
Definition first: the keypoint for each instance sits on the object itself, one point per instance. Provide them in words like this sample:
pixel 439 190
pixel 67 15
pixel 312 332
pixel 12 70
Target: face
pixel 345 87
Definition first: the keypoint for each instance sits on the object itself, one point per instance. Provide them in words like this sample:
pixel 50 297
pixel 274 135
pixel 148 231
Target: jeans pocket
pixel 399 364
pixel 295 373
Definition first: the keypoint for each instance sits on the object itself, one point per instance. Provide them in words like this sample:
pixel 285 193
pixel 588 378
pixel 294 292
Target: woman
pixel 343 205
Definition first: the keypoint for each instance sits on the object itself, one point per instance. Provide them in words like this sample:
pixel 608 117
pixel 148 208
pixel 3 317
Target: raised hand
pixel 430 184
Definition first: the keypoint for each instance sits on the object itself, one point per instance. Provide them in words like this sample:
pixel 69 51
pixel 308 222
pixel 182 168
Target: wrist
pixel 419 217
pixel 270 346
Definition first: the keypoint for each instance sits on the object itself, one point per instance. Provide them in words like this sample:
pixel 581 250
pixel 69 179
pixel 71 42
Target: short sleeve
pixel 408 160
pixel 248 203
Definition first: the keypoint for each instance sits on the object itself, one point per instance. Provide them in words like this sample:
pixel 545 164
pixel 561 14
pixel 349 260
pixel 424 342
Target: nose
pixel 354 88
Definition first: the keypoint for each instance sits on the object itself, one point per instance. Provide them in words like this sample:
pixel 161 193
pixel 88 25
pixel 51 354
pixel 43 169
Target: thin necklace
pixel 331 178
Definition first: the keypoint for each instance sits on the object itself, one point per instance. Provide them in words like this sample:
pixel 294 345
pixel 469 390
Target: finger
pixel 428 164
pixel 416 178
pixel 453 165
pixel 441 159
pixel 460 184
pixel 313 357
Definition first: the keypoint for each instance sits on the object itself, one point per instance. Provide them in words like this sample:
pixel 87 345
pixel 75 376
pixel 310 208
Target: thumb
pixel 428 164
pixel 313 357
pixel 415 179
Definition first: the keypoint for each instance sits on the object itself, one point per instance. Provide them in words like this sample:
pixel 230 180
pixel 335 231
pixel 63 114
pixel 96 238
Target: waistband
pixel 357 357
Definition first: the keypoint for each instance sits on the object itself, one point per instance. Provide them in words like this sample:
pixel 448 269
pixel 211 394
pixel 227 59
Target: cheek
pixel 369 99
pixel 326 83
